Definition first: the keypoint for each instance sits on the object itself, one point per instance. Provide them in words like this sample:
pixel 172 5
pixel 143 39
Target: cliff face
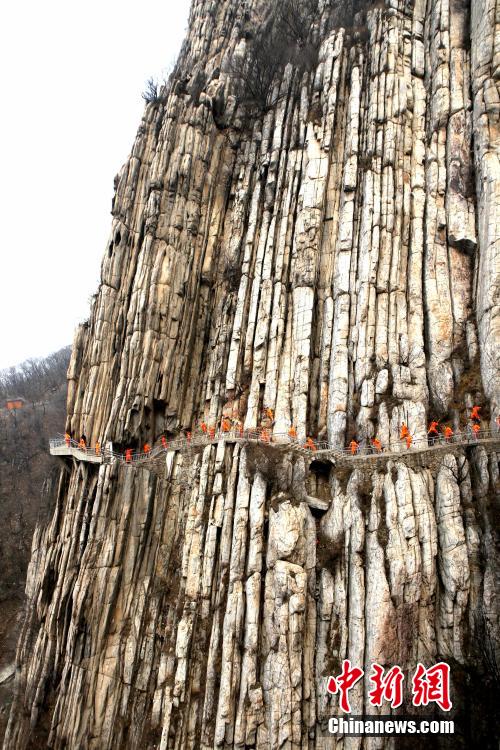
pixel 333 257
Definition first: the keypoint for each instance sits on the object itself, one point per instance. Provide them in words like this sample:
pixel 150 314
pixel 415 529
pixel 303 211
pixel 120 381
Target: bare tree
pixel 295 17
pixel 255 72
pixel 151 93
pixel 280 38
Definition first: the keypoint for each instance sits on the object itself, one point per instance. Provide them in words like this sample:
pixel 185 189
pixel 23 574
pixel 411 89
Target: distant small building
pixel 15 403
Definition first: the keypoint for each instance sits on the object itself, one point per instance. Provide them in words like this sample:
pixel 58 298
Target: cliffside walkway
pixel 365 455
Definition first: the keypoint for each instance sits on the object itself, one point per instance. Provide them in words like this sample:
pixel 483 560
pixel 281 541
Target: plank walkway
pixel 421 452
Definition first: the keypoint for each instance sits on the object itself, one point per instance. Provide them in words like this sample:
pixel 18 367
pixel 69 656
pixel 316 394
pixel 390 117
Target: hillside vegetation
pixel 26 472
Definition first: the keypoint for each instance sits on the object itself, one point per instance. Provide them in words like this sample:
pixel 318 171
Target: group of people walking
pixel 82 443
pixel 265 434
pixel 433 432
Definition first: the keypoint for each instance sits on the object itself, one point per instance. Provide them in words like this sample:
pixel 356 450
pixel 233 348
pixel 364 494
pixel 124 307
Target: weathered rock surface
pixel 334 259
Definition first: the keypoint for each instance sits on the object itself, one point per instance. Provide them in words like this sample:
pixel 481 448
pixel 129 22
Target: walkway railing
pixel 61 446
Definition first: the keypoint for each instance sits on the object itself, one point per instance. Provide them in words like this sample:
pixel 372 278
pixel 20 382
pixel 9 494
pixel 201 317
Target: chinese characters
pixel 430 685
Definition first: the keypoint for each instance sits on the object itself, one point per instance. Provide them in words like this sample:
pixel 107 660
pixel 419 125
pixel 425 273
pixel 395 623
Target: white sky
pixel 71 81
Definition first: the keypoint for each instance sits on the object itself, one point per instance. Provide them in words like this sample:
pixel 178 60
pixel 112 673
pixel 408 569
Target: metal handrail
pixel 281 439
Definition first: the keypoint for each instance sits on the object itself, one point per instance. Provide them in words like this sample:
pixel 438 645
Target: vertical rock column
pixel 485 73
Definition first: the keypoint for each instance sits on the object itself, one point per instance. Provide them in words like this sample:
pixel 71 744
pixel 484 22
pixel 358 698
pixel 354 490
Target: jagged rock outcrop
pixel 333 257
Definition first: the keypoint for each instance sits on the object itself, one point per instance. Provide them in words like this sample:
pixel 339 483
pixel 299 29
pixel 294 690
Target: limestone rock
pixel 332 257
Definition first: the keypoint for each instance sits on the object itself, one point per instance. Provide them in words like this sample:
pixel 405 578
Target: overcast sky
pixel 71 80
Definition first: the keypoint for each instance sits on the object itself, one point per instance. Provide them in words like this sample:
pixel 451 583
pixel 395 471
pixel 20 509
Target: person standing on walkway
pixel 82 444
pixel 128 455
pixel 475 413
pixel 98 449
pixel 377 444
pixel 310 444
pixel 67 439
pixel 448 433
pixel 433 428
pixel 353 445
pixel 409 441
pixel 164 442
pixel 404 431
pixel 146 448
pixel 292 432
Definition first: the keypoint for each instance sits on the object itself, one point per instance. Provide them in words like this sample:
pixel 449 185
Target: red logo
pixel 428 685
pixel 344 682
pixel 432 685
pixel 388 688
